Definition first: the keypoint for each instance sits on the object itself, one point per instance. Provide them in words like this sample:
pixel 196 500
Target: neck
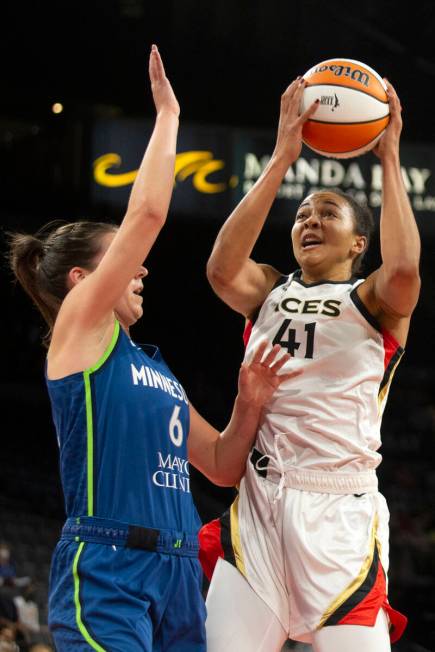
pixel 337 273
pixel 125 327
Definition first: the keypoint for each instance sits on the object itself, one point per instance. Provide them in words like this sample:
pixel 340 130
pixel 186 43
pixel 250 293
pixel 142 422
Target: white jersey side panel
pixel 328 418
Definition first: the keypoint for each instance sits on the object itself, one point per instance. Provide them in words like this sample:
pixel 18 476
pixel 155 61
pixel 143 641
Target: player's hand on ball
pixel 259 378
pixel 163 95
pixel 289 136
pixel 389 142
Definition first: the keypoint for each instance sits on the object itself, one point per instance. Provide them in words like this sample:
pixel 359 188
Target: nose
pixel 312 221
pixel 142 272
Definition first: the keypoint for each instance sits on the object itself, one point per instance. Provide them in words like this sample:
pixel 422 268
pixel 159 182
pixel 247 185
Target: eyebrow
pixel 328 201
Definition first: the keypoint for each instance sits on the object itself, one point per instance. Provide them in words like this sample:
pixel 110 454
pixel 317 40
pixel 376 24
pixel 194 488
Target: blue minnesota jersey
pixel 122 430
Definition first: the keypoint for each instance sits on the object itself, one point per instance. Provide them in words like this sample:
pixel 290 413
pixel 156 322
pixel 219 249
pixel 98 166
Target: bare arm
pixel 146 213
pixel 391 292
pixel 222 456
pixel 236 278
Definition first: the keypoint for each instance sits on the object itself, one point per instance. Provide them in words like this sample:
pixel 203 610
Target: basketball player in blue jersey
pixel 303 552
pixel 125 575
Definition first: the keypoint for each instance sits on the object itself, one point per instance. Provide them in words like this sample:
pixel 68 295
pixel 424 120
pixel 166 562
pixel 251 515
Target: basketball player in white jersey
pixel 303 552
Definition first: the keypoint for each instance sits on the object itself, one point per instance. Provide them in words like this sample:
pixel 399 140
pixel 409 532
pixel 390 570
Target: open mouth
pixel 310 243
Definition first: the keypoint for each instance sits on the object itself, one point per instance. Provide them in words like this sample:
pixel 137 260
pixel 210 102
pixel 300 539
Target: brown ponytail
pixel 41 262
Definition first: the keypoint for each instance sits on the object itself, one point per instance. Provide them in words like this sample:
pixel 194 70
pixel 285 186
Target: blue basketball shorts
pixel 111 597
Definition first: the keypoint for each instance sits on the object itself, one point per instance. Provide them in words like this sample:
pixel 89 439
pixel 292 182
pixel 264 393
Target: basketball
pixel 353 110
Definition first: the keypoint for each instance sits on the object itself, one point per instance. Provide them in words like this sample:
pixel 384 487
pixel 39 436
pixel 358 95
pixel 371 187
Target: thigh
pixel 342 638
pixel 335 575
pixel 238 620
pixel 94 600
pixel 179 618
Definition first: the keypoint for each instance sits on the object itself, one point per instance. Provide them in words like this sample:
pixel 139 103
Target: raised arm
pixel 147 209
pixel 391 292
pixel 222 456
pixel 236 278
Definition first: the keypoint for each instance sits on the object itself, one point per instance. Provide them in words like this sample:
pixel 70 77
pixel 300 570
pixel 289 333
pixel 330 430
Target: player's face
pixel 129 306
pixel 323 236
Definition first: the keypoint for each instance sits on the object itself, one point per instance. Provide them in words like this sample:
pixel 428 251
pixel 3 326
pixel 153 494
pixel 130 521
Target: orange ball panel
pixel 337 138
pixel 349 75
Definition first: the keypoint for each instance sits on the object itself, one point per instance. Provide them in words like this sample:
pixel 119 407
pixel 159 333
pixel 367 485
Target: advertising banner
pixel 216 166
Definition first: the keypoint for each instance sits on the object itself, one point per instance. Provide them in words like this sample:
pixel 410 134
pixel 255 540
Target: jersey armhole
pixel 113 341
pixel 250 321
pixel 359 305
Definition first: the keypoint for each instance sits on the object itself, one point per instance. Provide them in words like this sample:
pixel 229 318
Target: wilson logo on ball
pixel 353 110
pixel 347 71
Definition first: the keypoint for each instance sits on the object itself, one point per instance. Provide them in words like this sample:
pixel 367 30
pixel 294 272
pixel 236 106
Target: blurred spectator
pixel 40 647
pixel 9 622
pixel 8 611
pixel 7 640
pixel 8 574
pixel 27 610
pixel 7 568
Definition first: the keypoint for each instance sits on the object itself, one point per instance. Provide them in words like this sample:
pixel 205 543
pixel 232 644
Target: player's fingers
pixel 391 91
pixel 259 352
pixel 157 69
pixel 288 376
pixel 276 366
pixel 309 112
pixel 271 356
pixel 290 93
pixel 298 90
pixel 389 86
pixel 291 87
pixel 393 98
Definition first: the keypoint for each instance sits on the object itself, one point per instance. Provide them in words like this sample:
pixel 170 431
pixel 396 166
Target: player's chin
pixel 134 315
pixel 138 313
pixel 311 254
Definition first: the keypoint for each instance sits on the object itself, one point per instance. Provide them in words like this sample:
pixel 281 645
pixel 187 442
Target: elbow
pixel 223 476
pixel 216 275
pixel 400 291
pixel 405 273
pixel 147 215
pixel 156 217
pixel 226 480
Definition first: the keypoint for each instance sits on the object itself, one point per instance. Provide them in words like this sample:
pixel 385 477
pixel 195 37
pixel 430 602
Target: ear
pixel 359 245
pixel 75 275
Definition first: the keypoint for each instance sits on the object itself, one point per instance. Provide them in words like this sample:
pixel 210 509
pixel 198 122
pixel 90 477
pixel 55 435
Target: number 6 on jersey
pixel 175 427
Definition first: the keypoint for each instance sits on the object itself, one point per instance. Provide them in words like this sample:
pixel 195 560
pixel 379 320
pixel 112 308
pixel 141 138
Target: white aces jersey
pixel 328 418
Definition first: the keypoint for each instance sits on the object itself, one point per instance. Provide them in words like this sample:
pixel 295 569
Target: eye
pixel 300 217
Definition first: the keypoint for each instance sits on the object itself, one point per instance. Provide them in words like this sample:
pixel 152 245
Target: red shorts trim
pixel 362 607
pixel 210 548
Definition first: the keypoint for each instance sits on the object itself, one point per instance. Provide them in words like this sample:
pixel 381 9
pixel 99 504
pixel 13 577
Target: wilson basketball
pixel 353 110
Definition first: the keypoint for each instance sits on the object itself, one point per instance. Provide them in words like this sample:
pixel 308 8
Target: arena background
pixel 228 62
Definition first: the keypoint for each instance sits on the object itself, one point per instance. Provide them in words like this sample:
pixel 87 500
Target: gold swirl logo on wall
pixel 197 164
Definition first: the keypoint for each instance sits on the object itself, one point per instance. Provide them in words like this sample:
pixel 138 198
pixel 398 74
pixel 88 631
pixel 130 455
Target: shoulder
pixel 367 300
pixel 73 349
pixel 271 274
pixel 275 280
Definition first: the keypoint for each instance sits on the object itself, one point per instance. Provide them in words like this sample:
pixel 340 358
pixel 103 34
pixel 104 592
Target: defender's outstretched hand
pixel 259 378
pixel 163 94
pixel 389 142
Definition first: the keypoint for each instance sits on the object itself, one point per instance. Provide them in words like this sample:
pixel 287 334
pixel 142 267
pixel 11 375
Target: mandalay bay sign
pixel 216 166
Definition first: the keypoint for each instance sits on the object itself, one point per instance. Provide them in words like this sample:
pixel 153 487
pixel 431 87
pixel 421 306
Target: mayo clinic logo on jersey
pixel 292 305
pixel 149 377
pixel 172 473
